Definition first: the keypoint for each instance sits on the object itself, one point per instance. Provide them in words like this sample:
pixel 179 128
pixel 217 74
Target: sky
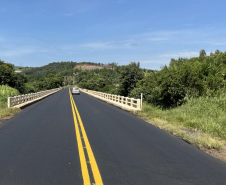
pixel 37 32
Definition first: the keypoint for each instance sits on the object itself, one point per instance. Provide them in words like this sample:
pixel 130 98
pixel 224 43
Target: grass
pixel 5 111
pixel 5 92
pixel 201 121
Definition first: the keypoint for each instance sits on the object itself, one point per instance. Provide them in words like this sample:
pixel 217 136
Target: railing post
pixel 138 104
pixel 9 102
pixel 131 102
pixel 141 101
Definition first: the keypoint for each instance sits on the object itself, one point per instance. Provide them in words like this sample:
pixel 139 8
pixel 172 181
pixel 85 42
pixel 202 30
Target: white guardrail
pixel 16 100
pixel 131 102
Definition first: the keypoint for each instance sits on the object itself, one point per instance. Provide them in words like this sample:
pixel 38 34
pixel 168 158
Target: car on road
pixel 75 90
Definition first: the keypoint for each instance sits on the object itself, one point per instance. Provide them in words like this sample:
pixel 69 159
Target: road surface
pixel 75 139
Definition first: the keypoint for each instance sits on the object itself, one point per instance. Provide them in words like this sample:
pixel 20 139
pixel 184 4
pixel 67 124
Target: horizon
pixel 36 33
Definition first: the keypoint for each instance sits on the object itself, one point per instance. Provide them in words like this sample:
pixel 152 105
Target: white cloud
pixel 134 44
pixel 124 44
pixel 182 54
pixel 163 33
pixel 158 39
pixel 16 52
pixel 97 45
pixel 73 48
pixel 158 36
pixel 220 43
pixel 161 61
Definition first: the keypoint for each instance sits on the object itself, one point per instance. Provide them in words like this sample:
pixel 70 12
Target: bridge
pixel 68 139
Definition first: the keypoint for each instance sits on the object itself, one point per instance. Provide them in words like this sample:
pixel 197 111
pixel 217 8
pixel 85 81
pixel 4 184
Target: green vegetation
pixel 129 76
pixel 28 83
pixel 118 80
pixel 10 78
pixel 183 79
pixel 63 68
pixel 55 66
pixel 4 111
pixel 22 69
pixel 104 80
pixel 37 83
pixel 192 120
pixel 5 92
pixel 12 84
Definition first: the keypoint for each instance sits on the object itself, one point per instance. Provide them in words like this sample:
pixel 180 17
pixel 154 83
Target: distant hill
pixel 64 68
pixel 21 69
pixel 55 66
pixel 91 67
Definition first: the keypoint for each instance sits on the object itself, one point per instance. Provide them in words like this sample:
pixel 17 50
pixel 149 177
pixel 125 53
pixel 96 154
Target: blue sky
pixel 38 32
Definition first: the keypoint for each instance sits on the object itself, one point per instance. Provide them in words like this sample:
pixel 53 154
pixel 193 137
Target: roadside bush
pixel 6 91
pixel 206 114
pixel 184 79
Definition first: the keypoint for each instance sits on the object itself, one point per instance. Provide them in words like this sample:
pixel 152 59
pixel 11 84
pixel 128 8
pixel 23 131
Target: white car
pixel 75 90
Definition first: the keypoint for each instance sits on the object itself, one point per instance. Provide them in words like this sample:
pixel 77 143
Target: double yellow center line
pixel 81 134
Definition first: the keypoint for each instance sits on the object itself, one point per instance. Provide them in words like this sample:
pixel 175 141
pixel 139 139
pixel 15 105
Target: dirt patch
pixel 215 153
pixel 219 154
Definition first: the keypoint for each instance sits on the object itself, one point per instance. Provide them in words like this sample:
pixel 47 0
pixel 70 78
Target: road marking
pixel 85 173
pixel 92 160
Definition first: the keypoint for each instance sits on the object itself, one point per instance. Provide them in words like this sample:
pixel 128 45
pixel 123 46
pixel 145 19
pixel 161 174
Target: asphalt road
pixel 41 146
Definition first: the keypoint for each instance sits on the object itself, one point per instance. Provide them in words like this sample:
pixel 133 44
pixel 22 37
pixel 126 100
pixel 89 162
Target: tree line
pixel 171 86
pixel 28 83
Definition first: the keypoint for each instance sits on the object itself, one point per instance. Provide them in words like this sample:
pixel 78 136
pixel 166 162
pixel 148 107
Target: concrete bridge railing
pixel 18 101
pixel 133 103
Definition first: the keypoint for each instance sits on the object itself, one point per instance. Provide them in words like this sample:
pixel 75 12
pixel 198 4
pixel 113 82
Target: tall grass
pixel 5 92
pixel 205 115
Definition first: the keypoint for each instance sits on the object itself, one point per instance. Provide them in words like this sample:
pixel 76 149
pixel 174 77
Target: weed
pixel 5 92
pixel 205 116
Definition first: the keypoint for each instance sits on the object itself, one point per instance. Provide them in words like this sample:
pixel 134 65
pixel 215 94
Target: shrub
pixel 6 91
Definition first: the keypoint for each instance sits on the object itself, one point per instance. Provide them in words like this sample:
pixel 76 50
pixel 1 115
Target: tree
pixel 129 76
pixel 172 61
pixel 202 53
pixel 7 74
pixel 19 82
pixel 217 51
pixel 113 65
pixel 10 78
